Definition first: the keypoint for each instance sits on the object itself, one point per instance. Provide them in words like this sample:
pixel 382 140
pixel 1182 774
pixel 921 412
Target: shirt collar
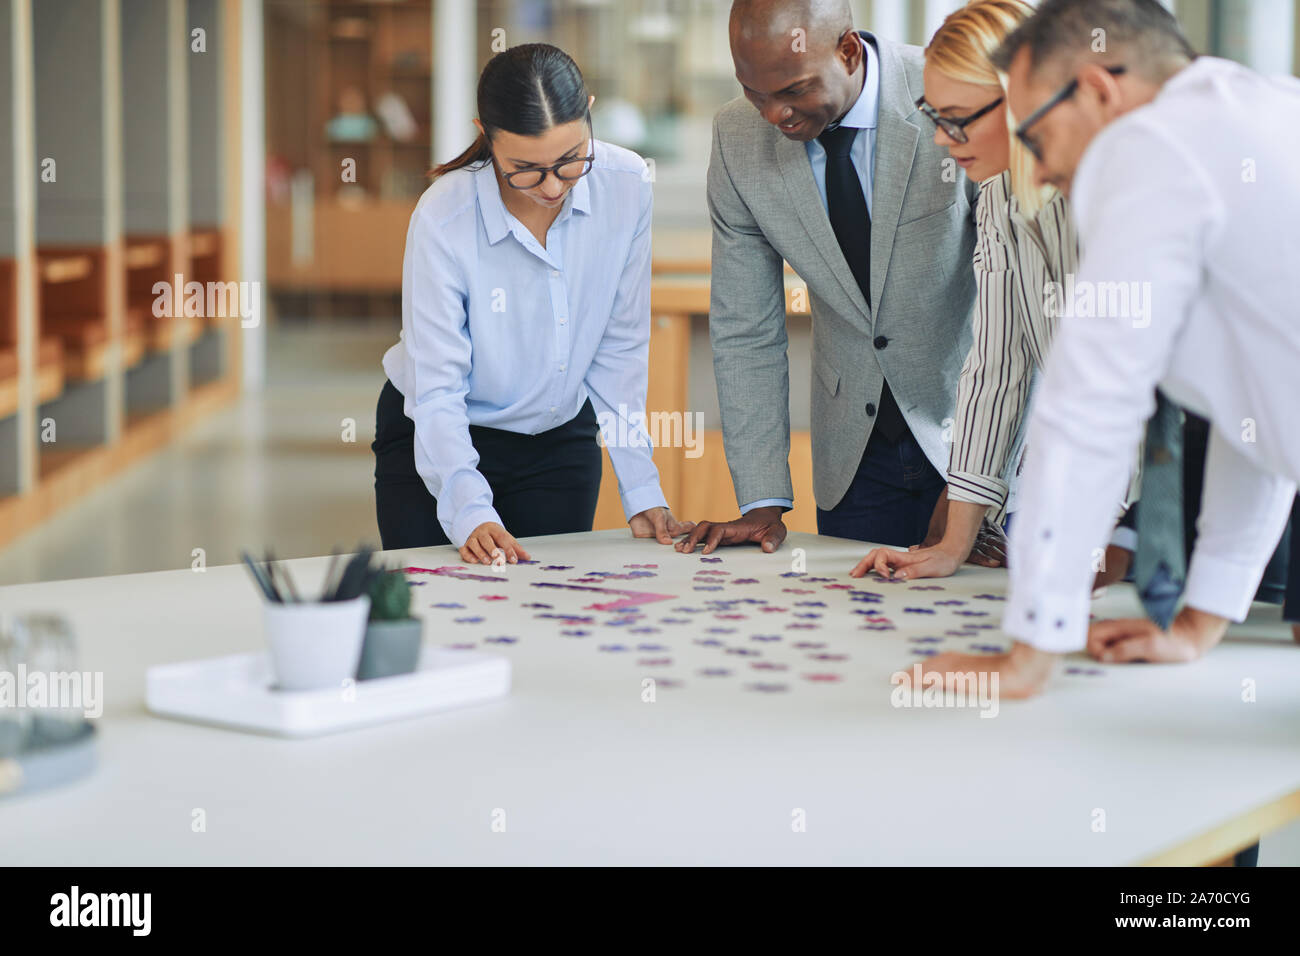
pixel 492 208
pixel 865 113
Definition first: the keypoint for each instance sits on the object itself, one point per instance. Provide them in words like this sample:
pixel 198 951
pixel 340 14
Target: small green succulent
pixel 390 597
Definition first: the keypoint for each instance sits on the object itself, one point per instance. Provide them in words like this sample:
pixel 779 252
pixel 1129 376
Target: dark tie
pixel 847 208
pixel 1160 564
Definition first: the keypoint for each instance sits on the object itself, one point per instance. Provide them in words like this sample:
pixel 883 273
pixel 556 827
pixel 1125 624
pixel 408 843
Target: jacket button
pixel 871 409
pixel 880 342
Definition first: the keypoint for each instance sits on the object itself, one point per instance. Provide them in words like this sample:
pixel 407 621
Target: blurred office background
pixel 281 145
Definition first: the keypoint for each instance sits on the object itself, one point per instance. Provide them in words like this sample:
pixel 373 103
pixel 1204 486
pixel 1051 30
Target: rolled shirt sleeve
pixel 993 392
pixel 1242 510
pixel 618 376
pixel 438 359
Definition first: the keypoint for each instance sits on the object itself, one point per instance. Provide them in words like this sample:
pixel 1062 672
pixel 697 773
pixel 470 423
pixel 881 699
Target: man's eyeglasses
pixel 1063 94
pixel 955 128
pixel 569 170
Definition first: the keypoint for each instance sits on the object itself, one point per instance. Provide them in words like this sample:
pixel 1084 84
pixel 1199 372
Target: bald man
pixel 822 164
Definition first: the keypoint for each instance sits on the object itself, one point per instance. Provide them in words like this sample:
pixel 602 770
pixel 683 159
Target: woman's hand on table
pixel 490 543
pixel 939 560
pixel 935 562
pixel 659 523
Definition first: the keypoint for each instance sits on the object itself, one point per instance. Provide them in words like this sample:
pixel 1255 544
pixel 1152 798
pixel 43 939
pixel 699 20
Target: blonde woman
pixel 1025 243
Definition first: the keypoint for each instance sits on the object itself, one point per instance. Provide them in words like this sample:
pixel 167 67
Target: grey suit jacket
pixel 765 207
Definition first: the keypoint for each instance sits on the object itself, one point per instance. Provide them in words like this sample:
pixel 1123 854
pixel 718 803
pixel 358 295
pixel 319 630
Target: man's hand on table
pixel 1191 634
pixel 761 526
pixel 1022 672
pixel 658 523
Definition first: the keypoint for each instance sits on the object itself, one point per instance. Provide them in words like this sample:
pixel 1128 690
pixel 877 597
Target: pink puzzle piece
pixel 628 599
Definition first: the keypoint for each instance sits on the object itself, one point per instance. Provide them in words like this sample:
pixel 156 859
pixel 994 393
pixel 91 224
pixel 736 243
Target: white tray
pixel 235 692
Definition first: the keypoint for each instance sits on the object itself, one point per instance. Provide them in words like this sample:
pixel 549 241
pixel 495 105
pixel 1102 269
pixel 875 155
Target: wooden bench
pixel 74 307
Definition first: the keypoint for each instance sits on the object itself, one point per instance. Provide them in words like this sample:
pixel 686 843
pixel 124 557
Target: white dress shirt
pixel 1191 205
pixel 499 331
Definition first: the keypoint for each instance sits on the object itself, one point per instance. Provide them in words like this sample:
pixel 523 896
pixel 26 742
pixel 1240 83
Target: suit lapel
pixel 792 160
pixel 896 140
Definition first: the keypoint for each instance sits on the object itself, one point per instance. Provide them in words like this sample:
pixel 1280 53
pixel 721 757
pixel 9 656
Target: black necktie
pixel 847 208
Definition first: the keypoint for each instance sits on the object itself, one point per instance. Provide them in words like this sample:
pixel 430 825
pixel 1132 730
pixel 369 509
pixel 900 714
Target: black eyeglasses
pixel 1063 94
pixel 568 170
pixel 955 128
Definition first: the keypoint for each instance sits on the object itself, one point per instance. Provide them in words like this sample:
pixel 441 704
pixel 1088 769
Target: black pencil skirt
pixel 541 484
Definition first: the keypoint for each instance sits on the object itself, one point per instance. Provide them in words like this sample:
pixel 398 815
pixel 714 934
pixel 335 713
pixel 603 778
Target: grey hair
pixel 1141 34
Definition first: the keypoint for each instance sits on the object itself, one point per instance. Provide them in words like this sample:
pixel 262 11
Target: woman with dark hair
pixel 525 330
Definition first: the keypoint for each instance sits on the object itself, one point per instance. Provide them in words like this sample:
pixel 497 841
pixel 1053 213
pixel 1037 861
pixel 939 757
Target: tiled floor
pixel 272 471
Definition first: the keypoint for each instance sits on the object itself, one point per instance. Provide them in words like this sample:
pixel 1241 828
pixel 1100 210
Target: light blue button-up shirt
pixel 498 330
pixel 862 115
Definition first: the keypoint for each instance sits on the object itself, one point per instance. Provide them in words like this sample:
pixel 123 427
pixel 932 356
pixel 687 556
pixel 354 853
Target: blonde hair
pixel 962 50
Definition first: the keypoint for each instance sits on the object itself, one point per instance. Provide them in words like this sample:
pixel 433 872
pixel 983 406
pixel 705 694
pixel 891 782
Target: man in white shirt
pixel 1181 171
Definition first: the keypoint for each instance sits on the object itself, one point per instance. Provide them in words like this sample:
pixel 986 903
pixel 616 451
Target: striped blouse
pixel 1015 259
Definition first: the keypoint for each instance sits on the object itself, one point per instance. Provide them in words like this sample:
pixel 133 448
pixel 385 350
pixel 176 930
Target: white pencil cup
pixel 315 645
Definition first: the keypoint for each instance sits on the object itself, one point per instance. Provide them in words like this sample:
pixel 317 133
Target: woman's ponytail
pixel 479 153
